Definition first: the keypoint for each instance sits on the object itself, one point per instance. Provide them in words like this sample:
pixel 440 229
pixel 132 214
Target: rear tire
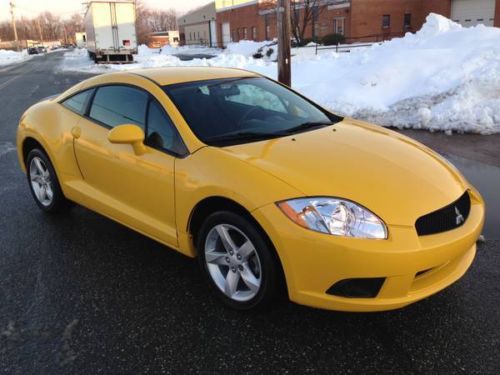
pixel 237 261
pixel 43 183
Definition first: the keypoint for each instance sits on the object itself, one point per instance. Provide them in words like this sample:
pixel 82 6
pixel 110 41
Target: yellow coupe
pixel 271 192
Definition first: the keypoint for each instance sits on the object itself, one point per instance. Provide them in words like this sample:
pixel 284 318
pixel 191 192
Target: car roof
pixel 178 74
pixel 161 76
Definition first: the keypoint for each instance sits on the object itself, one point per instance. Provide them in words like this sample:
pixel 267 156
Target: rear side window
pixel 78 103
pixel 119 105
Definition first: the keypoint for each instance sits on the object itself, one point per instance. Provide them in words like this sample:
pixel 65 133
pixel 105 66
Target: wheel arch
pixel 212 204
pixel 30 143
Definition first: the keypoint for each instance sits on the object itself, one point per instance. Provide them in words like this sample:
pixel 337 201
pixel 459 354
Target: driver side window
pixel 255 96
pixel 161 132
pixel 118 105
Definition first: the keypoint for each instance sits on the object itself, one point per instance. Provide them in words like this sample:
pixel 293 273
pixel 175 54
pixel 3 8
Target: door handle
pixel 76 132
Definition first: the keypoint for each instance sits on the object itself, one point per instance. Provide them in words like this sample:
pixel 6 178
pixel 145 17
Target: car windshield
pixel 231 111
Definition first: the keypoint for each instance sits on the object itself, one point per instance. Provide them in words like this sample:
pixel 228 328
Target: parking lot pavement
pixel 82 294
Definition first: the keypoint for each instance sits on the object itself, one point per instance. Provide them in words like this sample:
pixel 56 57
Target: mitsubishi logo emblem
pixel 459 218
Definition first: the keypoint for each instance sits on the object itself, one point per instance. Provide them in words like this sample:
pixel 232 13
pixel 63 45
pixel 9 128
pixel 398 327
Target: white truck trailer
pixel 110 29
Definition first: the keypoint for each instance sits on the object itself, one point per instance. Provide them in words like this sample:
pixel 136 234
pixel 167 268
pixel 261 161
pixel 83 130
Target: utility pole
pixel 40 35
pixel 284 63
pixel 65 35
pixel 12 6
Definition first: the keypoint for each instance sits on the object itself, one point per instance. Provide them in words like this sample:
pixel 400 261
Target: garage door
pixel 473 12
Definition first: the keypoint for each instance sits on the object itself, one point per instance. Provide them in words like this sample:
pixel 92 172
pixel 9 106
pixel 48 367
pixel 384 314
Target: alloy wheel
pixel 41 181
pixel 233 262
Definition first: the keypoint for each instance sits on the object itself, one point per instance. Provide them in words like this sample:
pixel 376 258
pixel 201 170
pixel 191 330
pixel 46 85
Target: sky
pixel 65 8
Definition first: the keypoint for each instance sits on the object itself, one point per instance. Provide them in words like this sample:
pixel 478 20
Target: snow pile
pixel 245 48
pixel 444 77
pixel 78 60
pixel 11 57
pixel 188 50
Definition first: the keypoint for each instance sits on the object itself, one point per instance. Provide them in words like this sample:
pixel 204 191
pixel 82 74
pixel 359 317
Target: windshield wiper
pixel 241 136
pixel 306 126
pixel 247 136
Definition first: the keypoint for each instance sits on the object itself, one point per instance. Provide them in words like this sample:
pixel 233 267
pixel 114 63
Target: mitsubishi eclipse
pixel 271 192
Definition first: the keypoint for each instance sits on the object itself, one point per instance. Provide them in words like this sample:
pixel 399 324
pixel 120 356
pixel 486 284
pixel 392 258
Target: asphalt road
pixel 82 294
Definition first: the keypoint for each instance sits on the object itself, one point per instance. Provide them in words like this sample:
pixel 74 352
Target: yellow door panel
pixel 142 186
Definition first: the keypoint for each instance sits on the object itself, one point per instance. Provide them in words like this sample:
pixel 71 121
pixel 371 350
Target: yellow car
pixel 271 192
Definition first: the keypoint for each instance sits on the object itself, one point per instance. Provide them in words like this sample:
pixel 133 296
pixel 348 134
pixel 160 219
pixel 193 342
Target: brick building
pixel 357 20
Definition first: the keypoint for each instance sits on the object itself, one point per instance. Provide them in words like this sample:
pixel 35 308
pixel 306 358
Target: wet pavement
pixel 486 179
pixel 81 294
pixel 477 157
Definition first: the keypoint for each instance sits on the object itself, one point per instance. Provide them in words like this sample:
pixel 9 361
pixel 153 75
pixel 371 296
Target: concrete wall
pixel 194 26
pixel 197 33
pixel 202 14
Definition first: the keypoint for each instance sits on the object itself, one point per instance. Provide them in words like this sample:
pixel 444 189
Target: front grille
pixel 446 218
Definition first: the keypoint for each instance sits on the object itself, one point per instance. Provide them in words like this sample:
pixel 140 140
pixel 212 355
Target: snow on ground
pixel 12 57
pixel 444 77
pixel 245 47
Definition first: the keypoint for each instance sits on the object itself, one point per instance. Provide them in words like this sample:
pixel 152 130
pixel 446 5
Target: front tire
pixel 43 183
pixel 237 261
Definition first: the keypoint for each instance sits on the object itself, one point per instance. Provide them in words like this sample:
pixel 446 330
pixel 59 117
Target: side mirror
pixel 128 134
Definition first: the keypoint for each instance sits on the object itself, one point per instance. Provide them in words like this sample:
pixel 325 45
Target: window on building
pixel 245 34
pixel 386 21
pixel 268 32
pixel 254 33
pixel 339 25
pixel 407 21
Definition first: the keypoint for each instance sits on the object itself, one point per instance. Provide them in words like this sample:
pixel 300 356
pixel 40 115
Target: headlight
pixel 334 216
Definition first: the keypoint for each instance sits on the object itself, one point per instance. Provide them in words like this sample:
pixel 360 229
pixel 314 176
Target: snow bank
pixel 444 77
pixel 12 57
pixel 244 47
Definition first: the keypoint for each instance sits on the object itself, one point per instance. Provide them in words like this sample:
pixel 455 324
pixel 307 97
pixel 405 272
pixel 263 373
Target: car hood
pixel 394 176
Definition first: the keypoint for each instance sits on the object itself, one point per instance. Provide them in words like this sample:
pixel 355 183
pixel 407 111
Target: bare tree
pixel 152 20
pixel 163 20
pixel 304 13
pixel 51 28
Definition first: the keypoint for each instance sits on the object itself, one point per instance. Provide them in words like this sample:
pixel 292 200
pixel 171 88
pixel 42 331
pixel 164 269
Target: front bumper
pixel 313 262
